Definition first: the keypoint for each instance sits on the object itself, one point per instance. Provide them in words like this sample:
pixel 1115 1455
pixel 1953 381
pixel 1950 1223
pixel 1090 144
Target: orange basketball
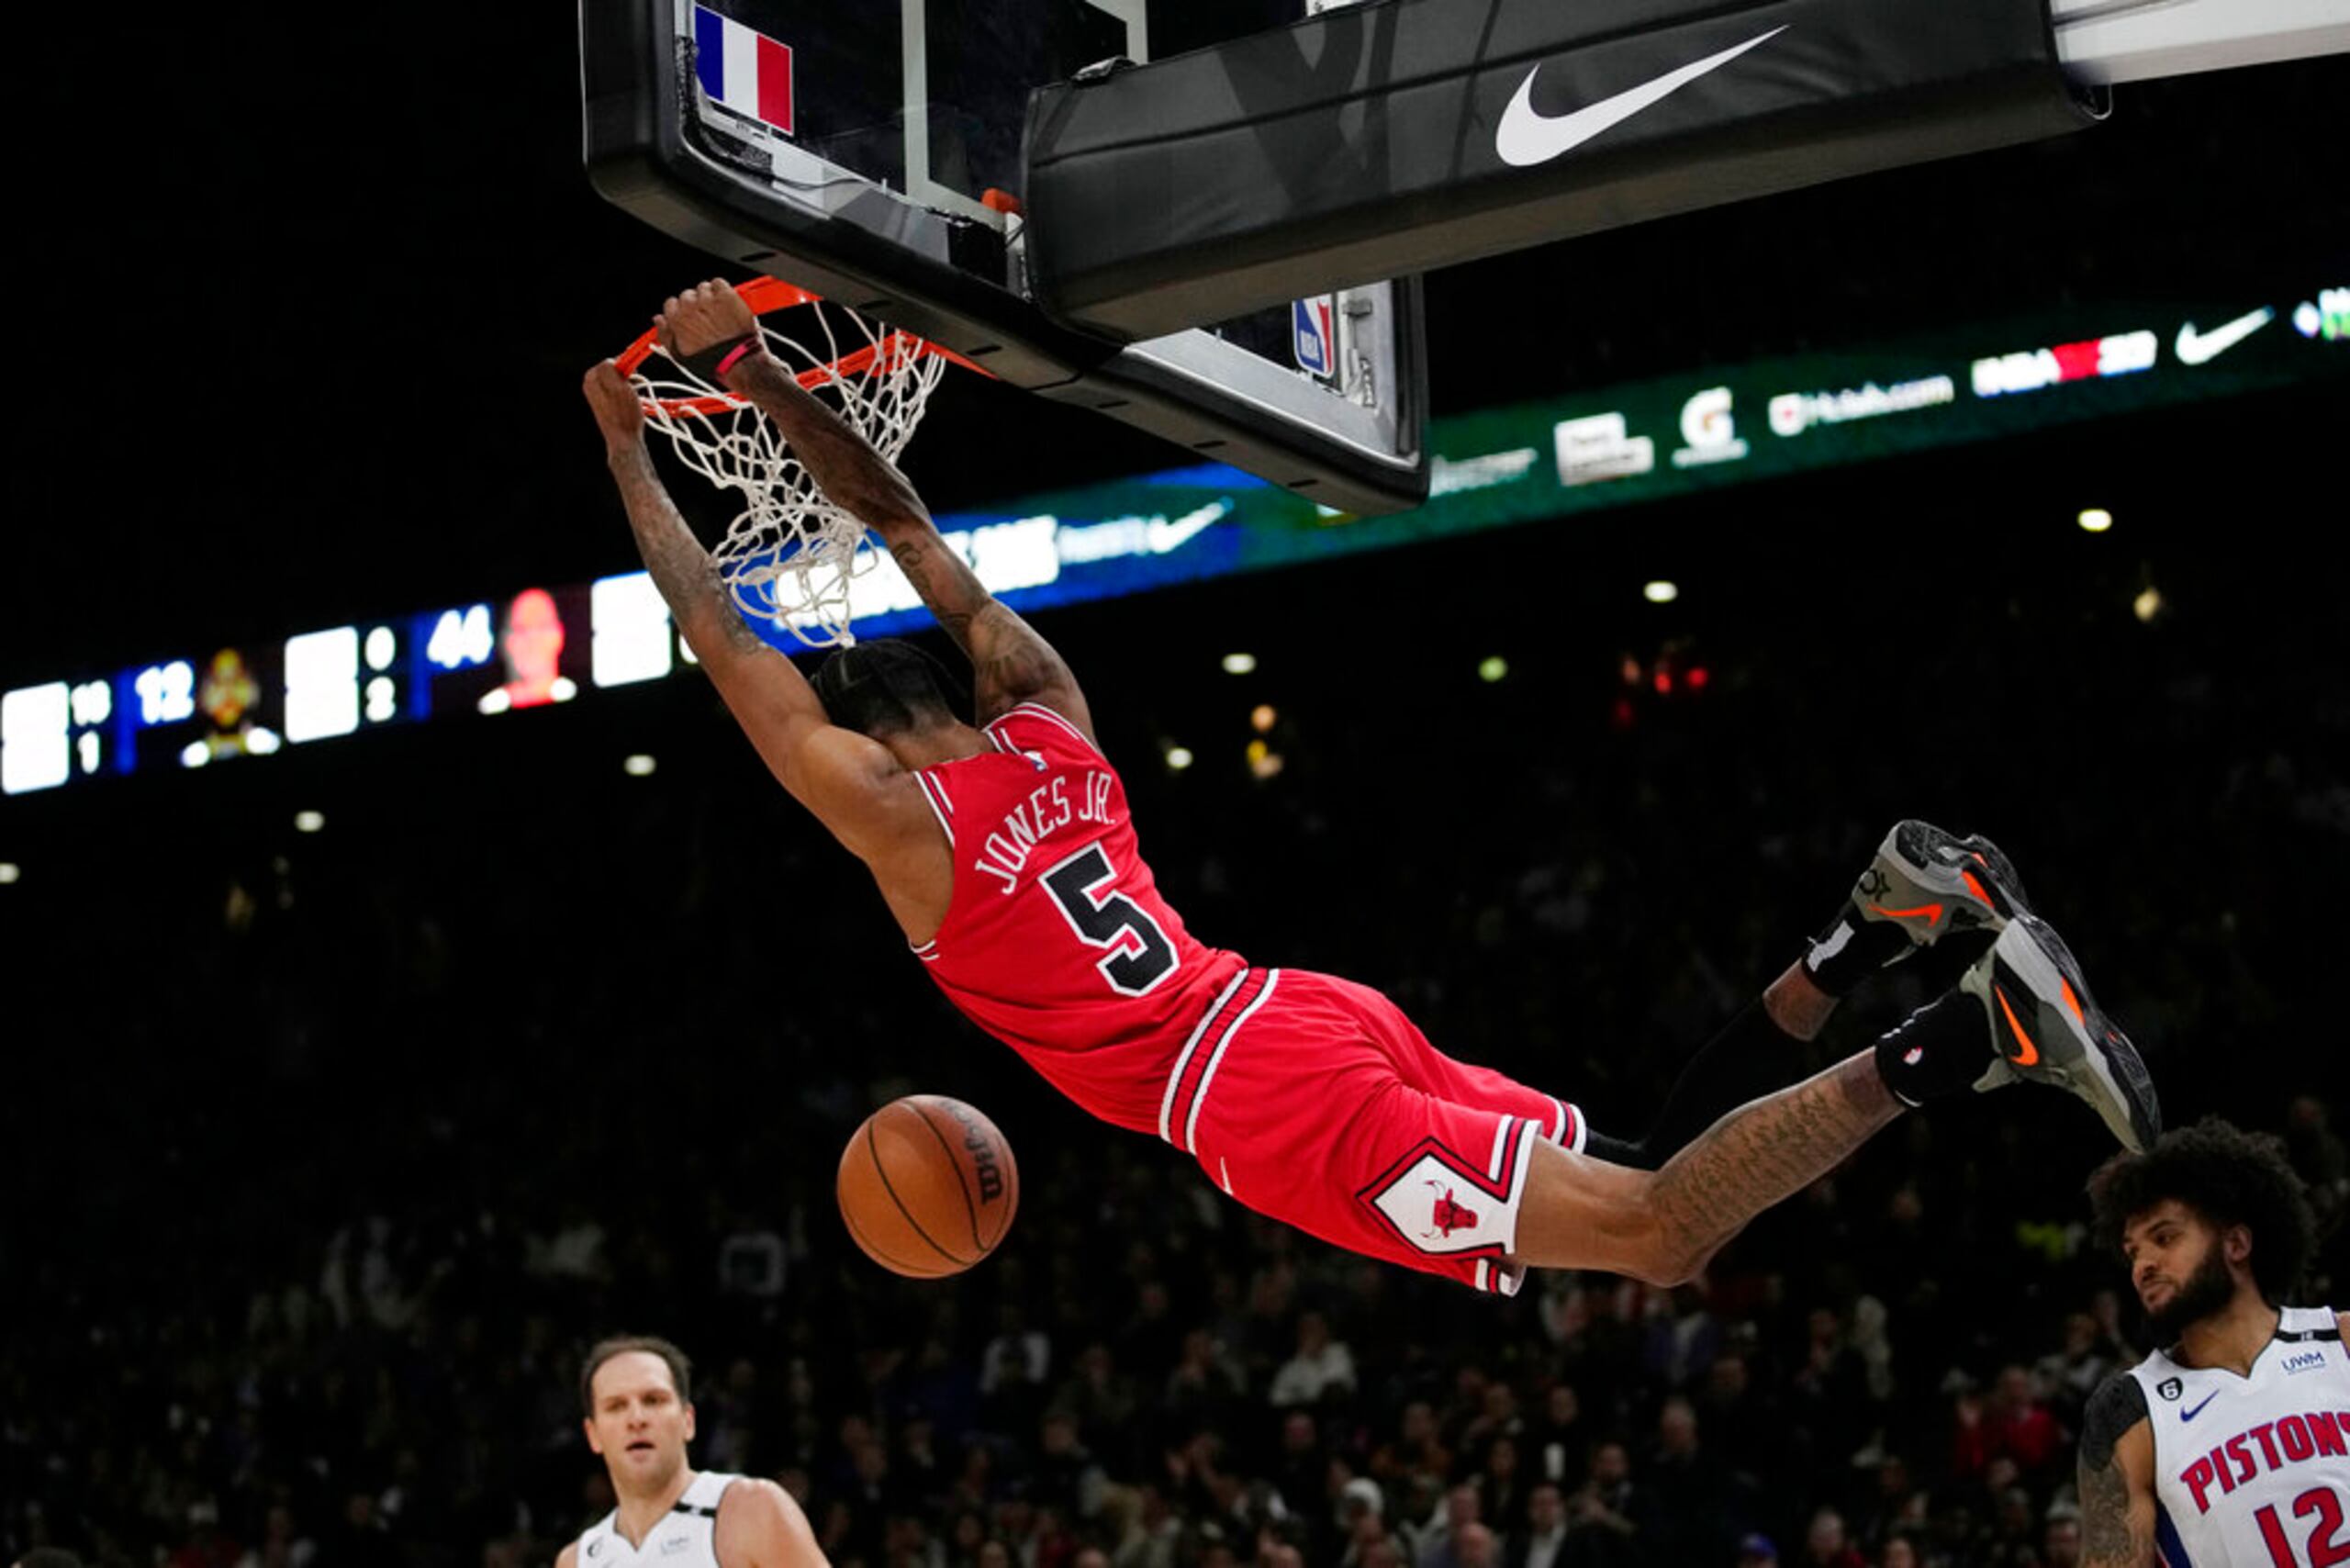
pixel 928 1186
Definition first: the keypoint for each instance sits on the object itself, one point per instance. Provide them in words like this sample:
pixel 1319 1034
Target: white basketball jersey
pixel 2254 1472
pixel 687 1539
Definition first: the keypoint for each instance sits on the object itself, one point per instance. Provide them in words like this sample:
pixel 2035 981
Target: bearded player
pixel 2231 1445
pixel 1004 850
pixel 635 1394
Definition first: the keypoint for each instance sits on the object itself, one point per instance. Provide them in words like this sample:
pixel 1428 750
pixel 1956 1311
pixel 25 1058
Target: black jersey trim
pixel 2310 1335
pixel 696 1509
pixel 2119 1405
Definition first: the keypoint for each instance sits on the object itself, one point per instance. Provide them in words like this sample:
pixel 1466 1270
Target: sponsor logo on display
pixel 2202 348
pixel 1076 544
pixel 2033 370
pixel 2308 1360
pixel 2327 317
pixel 1031 551
pixel 1526 136
pixel 1600 446
pixel 1450 475
pixel 2189 1412
pixel 1792 413
pixel 1707 428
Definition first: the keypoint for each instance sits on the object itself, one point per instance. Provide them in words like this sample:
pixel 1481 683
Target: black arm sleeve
pixel 2118 1405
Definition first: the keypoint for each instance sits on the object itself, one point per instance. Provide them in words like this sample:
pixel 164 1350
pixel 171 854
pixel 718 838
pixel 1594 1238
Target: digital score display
pixel 630 623
pixel 545 647
pixel 529 651
pixel 226 706
pixel 36 752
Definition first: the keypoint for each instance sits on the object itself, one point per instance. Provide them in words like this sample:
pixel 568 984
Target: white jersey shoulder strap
pixel 687 1538
pixel 2308 1325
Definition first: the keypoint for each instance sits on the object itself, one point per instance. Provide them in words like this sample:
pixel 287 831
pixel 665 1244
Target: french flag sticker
pixel 747 71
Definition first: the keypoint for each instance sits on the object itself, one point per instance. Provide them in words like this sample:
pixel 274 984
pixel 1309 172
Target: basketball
pixel 928 1186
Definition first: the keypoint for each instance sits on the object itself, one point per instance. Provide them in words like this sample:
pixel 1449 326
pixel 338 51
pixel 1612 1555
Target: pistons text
pixel 2272 1445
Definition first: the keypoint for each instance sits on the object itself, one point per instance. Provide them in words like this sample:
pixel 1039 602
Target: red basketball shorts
pixel 1315 1102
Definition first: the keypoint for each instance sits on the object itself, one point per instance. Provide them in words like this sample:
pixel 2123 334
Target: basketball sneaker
pixel 1924 885
pixel 2047 1029
pixel 1932 883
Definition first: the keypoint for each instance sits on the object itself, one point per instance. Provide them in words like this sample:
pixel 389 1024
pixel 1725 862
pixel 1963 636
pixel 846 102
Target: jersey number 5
pixel 1142 955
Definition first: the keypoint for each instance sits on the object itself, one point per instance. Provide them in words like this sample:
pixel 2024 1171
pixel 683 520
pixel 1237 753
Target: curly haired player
pixel 1006 851
pixel 2232 1444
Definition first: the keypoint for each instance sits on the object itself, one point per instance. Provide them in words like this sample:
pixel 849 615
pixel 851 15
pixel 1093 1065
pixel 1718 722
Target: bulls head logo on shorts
pixel 1449 1213
pixel 1439 1203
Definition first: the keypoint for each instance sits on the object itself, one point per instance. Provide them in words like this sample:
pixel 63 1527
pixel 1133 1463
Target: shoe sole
pixel 1932 883
pixel 2049 1029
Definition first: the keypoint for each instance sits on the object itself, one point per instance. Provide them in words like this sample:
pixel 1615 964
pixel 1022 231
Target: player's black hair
pixel 2229 1177
pixel 48 1557
pixel 886 687
pixel 681 1370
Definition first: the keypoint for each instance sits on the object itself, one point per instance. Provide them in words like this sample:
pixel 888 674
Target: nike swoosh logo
pixel 1162 535
pixel 2190 1415
pixel 1527 136
pixel 2027 1054
pixel 2202 348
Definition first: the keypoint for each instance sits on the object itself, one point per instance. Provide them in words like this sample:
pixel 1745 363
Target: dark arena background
pixel 354 1090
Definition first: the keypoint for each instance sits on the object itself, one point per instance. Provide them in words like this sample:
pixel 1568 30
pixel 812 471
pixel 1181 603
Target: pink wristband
pixel 735 355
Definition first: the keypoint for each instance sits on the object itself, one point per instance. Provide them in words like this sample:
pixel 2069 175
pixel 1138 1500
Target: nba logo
pixel 1315 338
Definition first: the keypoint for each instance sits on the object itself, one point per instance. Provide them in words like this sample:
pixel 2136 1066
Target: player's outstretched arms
pixel 2117 1477
pixel 760 1527
pixel 1010 663
pixel 680 567
pixel 851 782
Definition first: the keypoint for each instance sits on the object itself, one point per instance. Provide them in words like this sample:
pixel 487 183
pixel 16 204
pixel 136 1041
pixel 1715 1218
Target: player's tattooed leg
pixel 1767 1151
pixel 1797 1004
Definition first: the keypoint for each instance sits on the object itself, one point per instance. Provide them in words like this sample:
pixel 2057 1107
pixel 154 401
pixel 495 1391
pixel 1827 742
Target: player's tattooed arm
pixel 680 566
pixel 853 475
pixel 832 772
pixel 1010 663
pixel 2117 1477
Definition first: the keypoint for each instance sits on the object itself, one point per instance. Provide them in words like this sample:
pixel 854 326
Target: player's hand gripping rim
pixel 709 330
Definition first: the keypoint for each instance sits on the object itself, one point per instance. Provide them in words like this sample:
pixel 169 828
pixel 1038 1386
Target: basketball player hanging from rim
pixel 2232 1443
pixel 1004 850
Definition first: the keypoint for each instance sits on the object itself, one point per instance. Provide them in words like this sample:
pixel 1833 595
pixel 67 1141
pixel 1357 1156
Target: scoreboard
pixel 550 646
pixel 541 647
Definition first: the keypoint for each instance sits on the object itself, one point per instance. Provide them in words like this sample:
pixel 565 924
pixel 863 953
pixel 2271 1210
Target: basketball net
pixel 789 554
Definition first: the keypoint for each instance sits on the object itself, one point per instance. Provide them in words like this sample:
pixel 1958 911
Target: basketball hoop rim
pixel 765 295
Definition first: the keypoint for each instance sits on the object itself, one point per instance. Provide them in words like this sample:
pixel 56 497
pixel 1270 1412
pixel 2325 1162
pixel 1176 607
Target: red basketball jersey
pixel 1056 941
